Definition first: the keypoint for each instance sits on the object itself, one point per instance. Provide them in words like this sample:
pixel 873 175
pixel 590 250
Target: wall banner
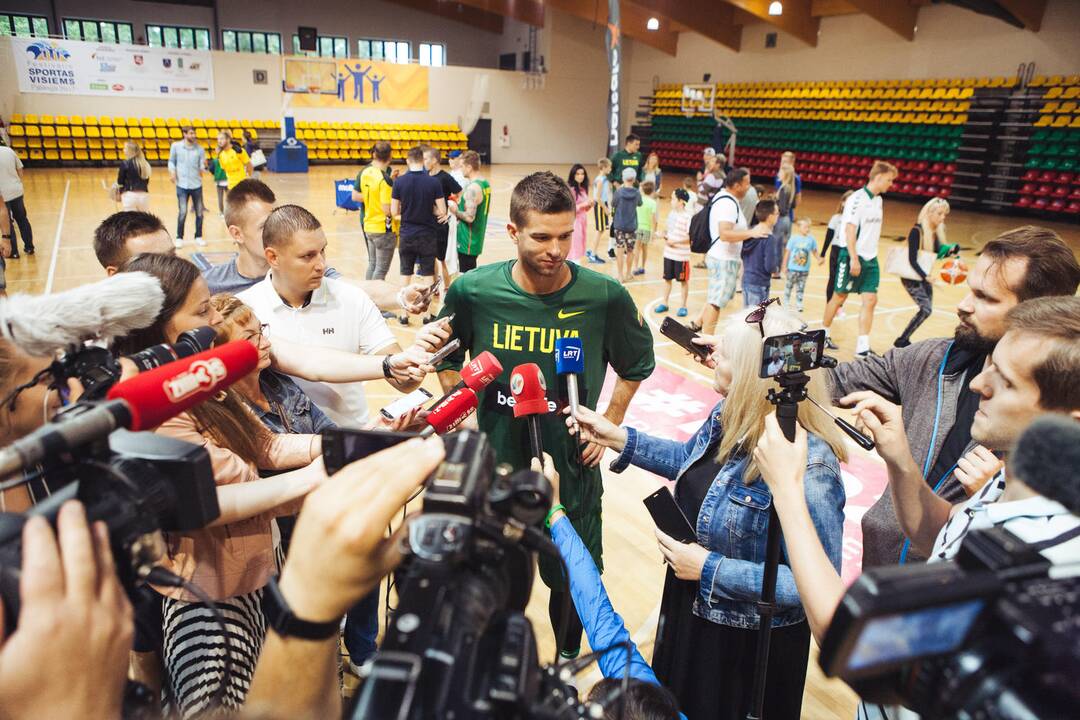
pixel 71 67
pixel 356 84
pixel 614 50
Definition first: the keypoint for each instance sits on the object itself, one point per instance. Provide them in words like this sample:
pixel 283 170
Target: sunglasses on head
pixel 757 316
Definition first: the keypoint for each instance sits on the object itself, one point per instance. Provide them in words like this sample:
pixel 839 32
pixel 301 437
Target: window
pixel 24 25
pixel 98 30
pixel 177 36
pixel 393 51
pixel 433 54
pixel 329 46
pixel 251 41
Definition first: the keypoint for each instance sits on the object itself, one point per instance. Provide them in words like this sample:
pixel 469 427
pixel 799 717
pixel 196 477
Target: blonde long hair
pixel 924 221
pixel 649 164
pixel 747 404
pixel 787 180
pixel 132 151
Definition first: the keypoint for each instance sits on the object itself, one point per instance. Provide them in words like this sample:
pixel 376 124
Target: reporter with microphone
pixel 517 310
pixel 233 560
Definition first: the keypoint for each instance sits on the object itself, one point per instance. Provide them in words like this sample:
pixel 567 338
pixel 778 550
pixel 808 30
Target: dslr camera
pixel 995 634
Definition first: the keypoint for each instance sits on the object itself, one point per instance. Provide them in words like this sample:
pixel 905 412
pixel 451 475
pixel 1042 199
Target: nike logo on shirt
pixel 563 315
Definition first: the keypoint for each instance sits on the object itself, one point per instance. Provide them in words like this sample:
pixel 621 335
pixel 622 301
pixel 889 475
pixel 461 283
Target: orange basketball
pixel 954 271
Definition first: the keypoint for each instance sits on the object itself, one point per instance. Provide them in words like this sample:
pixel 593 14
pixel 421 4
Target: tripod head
pixel 793 390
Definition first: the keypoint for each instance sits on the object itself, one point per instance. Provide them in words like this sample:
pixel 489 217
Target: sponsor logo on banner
pixel 106 67
pixel 164 88
pixel 166 62
pixel 194 66
pixel 48 66
pixel 138 59
pixel 118 87
pixel 47 51
pixel 99 86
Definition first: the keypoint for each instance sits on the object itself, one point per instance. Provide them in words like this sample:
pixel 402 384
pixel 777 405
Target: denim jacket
pixel 733 521
pixel 291 410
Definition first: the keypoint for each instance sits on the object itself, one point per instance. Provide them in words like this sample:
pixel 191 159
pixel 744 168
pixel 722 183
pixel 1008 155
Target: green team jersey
pixel 623 159
pixel 470 236
pixel 493 313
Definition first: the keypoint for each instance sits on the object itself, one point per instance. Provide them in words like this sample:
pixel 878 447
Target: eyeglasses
pixel 254 337
pixel 757 316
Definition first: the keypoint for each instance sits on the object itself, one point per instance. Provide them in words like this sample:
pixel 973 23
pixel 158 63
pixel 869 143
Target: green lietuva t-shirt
pixel 492 313
pixel 470 236
pixel 623 159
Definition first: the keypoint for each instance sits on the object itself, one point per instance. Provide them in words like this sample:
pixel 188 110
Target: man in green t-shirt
pixel 628 157
pixel 516 310
pixel 471 212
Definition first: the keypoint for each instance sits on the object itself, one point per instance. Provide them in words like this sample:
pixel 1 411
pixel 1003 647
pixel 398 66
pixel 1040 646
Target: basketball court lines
pixel 56 240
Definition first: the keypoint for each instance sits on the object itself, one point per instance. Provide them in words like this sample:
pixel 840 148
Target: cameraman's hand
pixel 339 551
pixel 782 463
pixel 976 468
pixel 884 422
pixel 69 655
pixel 597 429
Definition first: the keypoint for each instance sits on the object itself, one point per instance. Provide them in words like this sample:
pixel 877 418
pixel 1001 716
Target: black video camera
pixel 459 644
pixel 995 634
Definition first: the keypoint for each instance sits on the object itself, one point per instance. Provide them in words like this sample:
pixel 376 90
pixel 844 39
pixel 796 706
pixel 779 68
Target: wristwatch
pixel 280 617
pixel 387 372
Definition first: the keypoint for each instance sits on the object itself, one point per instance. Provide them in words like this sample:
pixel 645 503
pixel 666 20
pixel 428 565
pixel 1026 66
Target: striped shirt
pixel 677 234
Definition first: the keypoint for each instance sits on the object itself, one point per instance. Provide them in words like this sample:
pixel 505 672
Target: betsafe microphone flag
pixel 570 361
pixel 446 415
pixel 476 375
pixel 528 387
pixel 157 395
pixel 141 403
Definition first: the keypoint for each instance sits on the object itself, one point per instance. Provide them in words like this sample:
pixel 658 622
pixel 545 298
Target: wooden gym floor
pixel 65 206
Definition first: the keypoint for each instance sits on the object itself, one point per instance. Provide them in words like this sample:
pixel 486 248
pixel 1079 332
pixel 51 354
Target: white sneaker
pixel 200 242
pixel 178 243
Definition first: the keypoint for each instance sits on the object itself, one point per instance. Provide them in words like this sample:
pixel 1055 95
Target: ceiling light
pixel 653 24
pixel 776 8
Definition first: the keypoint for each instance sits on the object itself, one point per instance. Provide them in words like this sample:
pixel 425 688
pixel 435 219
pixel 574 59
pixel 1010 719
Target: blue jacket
pixel 733 521
pixel 759 257
pixel 603 626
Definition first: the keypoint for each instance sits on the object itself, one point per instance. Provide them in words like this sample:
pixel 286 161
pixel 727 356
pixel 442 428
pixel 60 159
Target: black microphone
pixel 1046 458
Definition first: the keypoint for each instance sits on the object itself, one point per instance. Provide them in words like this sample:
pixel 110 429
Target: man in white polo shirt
pixel 857 265
pixel 727 228
pixel 299 304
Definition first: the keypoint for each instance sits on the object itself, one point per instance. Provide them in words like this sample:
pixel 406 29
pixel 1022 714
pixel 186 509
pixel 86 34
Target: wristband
pixel 387 373
pixel 557 508
pixel 280 617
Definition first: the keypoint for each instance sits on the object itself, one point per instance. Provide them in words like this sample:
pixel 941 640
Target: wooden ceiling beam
pixel 633 19
pixel 900 17
pixel 796 19
pixel 1029 12
pixel 712 19
pixel 530 12
pixel 459 12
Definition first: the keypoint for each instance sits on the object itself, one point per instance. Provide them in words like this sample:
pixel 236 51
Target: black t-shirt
pixel 449 184
pixel 692 487
pixel 959 437
pixel 417 192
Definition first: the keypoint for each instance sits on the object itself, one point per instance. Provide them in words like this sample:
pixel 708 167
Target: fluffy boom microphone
pixel 141 403
pixel 111 308
pixel 1046 458
pixel 529 389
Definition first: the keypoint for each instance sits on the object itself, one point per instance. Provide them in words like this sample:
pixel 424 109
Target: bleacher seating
pixel 46 139
pixel 1051 179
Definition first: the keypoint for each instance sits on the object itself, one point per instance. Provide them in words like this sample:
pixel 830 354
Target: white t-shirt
pixel 677 235
pixel 339 316
pixel 862 210
pixel 11 186
pixel 725 208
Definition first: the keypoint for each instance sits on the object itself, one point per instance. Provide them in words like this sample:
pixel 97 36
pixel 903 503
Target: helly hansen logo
pixel 328 331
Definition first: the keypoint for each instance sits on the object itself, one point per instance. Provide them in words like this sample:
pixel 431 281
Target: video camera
pixel 459 644
pixel 995 634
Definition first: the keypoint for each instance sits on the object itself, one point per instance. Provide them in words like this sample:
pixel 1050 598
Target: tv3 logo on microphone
pixel 201 376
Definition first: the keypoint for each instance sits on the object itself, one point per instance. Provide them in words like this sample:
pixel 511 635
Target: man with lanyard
pixel 857 268
pixel 472 212
pixel 930 379
pixel 516 310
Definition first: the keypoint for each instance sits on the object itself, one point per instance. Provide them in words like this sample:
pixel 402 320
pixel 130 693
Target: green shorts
pixel 866 282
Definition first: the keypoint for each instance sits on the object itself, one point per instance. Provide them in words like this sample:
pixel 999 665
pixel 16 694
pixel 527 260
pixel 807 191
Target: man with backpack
pixel 718 230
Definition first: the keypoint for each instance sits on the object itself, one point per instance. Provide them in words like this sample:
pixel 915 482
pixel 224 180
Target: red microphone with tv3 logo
pixel 480 372
pixel 529 389
pixel 450 412
pixel 140 403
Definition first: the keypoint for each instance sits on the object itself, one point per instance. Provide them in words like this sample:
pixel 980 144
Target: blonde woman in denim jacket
pixel 705 640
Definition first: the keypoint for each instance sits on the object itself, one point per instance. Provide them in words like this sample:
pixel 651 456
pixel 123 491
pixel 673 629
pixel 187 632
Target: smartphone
pixel 447 350
pixel 682 336
pixel 431 289
pixel 342 446
pixel 405 403
pixel 793 353
pixel 669 517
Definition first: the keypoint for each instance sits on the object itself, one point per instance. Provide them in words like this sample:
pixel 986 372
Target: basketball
pixel 954 271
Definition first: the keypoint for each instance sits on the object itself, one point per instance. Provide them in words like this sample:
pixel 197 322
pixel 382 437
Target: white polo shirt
pixel 725 207
pixel 339 316
pixel 863 210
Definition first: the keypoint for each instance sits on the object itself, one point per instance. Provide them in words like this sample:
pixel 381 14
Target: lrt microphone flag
pixel 614 51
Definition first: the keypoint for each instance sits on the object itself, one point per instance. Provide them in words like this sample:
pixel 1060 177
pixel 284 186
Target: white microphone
pixel 108 309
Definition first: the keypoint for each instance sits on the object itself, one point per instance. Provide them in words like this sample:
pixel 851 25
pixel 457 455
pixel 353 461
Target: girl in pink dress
pixel 579 186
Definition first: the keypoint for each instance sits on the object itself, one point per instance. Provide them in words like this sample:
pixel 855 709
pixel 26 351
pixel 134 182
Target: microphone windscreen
pixel 453 410
pixel 569 358
pixel 110 308
pixel 529 389
pixel 157 395
pixel 1046 458
pixel 481 371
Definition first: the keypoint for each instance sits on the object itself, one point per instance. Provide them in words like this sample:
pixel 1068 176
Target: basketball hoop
pixel 698 100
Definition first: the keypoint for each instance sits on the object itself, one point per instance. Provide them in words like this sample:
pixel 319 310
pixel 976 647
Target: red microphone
pixel 480 372
pixel 141 403
pixel 529 389
pixel 447 414
pixel 155 396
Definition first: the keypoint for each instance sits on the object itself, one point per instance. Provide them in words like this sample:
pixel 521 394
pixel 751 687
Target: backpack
pixel 701 240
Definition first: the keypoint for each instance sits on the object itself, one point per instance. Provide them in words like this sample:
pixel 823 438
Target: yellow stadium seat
pixel 60 120
pixel 135 133
pixel 200 133
pixel 97 155
pixel 108 132
pixel 149 133
pixel 159 122
pixel 197 123
pixel 67 155
pixel 121 133
pixel 111 155
pixel 78 131
pixel 103 120
pixel 17 118
pixel 16 131
pixel 31 120
pixel 46 120
pixel 37 155
pixel 175 134
pixel 1072 92
pixel 151 155
pixel 52 155
pixel 1044 120
pixel 172 122
pixel 65 143
pixel 1061 121
pixel 143 122
pixel 82 155
pixel 48 131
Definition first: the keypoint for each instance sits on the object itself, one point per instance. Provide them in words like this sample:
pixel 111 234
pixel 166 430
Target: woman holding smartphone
pixel 705 642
